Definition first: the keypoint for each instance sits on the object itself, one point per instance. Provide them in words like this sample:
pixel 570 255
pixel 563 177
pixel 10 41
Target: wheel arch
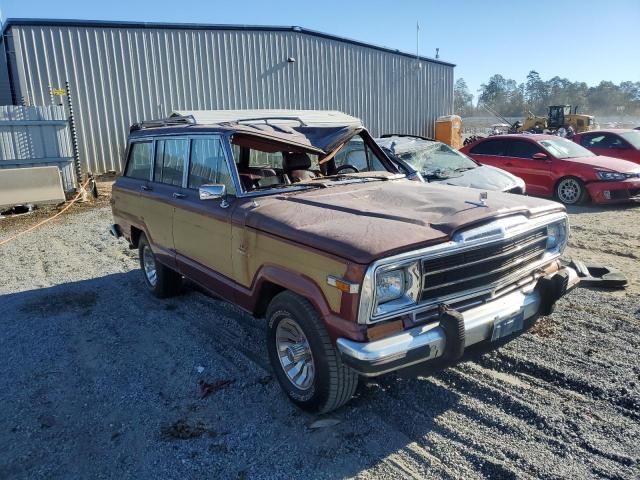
pixel 584 183
pixel 272 280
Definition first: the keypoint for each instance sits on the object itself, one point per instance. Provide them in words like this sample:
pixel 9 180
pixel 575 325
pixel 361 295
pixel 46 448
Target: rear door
pixel 143 203
pixel 491 152
pixel 536 173
pixel 202 228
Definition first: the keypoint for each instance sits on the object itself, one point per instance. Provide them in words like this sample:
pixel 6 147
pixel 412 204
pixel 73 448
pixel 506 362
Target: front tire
pixel 306 363
pixel 160 280
pixel 571 191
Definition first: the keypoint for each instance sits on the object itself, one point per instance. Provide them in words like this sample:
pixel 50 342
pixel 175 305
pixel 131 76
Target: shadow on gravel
pixel 100 378
pixel 595 208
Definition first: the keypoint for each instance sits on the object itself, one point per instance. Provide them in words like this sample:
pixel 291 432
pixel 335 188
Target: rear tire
pixel 571 191
pixel 160 280
pixel 297 341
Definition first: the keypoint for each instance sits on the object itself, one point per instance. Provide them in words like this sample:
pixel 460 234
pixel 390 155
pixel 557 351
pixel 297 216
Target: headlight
pixel 610 175
pixel 396 288
pixel 557 234
pixel 390 285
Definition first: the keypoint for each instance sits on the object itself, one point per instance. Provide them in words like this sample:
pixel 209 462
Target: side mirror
pixel 540 156
pixel 212 192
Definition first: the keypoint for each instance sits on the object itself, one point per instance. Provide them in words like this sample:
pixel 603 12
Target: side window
pixel 171 158
pixel 522 149
pixel 359 155
pixel 139 163
pixel 616 142
pixel 593 141
pixel 258 159
pixel 490 147
pixel 208 164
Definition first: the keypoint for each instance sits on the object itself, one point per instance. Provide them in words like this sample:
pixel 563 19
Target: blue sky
pixel 583 40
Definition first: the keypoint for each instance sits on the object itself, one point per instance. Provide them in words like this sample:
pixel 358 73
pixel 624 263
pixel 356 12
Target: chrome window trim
pixel 367 296
pixel 221 138
pixel 155 139
pixel 128 156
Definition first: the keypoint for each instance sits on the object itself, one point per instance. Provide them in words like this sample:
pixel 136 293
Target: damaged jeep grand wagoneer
pixel 358 271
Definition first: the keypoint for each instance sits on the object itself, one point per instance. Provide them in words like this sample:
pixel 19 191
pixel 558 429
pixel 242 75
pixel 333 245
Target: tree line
pixel 511 99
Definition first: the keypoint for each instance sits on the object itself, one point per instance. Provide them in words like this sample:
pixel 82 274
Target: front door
pixel 535 172
pixel 202 228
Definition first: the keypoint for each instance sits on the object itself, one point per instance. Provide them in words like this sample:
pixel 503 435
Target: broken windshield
pixel 435 159
pixel 264 164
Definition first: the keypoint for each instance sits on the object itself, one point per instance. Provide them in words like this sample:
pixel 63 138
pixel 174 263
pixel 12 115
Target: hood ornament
pixel 482 200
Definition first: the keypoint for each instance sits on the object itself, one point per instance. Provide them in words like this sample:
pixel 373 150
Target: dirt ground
pixel 100 380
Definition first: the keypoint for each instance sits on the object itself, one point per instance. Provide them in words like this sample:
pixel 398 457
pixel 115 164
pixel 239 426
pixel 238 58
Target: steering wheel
pixel 346 166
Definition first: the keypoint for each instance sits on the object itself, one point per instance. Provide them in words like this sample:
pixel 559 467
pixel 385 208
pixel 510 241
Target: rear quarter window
pixel 139 162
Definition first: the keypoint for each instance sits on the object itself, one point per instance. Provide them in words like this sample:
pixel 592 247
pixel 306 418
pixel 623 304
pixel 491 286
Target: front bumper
pixel 614 192
pixel 429 342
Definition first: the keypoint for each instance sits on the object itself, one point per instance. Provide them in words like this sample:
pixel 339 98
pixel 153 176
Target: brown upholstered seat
pixel 297 165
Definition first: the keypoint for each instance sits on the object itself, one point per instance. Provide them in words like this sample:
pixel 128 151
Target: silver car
pixel 437 162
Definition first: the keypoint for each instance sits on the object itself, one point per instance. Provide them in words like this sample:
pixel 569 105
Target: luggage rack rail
pixel 163 122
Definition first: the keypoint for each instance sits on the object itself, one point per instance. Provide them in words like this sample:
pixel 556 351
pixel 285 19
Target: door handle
pixel 508 164
pixel 146 188
pixel 178 195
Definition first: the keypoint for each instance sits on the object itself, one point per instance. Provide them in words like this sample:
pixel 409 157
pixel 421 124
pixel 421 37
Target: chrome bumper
pixel 428 342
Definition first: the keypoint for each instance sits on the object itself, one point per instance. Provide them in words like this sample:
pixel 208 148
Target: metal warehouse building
pixel 120 73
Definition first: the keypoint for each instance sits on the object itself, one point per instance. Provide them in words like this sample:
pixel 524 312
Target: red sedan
pixel 556 167
pixel 618 143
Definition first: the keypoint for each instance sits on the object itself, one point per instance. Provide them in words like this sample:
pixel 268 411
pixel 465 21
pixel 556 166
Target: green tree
pixel 462 99
pixel 503 95
pixel 535 92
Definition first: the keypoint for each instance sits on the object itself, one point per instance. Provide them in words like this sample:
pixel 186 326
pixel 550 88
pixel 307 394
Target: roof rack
pixel 163 122
pixel 267 120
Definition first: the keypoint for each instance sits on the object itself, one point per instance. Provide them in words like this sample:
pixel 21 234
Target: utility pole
pixel 417 39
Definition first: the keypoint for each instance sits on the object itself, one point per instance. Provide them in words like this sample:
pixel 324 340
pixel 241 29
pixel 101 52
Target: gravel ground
pixel 100 380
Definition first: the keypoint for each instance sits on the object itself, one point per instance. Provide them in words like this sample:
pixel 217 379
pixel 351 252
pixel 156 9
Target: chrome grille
pixel 485 265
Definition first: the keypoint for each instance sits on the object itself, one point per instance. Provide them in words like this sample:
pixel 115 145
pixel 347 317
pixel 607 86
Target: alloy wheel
pixel 569 191
pixel 295 354
pixel 149 264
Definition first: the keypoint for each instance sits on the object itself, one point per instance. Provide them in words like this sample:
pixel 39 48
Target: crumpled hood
pixel 364 222
pixel 483 177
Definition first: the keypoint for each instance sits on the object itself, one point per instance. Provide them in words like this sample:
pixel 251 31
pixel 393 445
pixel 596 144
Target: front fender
pixel 337 326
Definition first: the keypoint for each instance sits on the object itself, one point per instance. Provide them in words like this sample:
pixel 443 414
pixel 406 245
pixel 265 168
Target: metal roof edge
pixel 203 26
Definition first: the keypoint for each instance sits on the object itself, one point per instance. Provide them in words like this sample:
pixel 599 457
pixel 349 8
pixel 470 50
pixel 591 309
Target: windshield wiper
pixel 463 169
pixel 437 174
pixel 347 176
pixel 289 185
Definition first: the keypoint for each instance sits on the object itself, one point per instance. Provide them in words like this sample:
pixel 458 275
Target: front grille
pixel 472 269
pixel 624 194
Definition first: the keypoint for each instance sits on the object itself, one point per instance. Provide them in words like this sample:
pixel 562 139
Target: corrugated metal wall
pixel 123 75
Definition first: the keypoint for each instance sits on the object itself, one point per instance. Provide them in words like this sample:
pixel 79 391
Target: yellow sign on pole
pixel 58 91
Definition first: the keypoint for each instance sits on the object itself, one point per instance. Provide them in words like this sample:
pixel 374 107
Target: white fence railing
pixel 35 137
